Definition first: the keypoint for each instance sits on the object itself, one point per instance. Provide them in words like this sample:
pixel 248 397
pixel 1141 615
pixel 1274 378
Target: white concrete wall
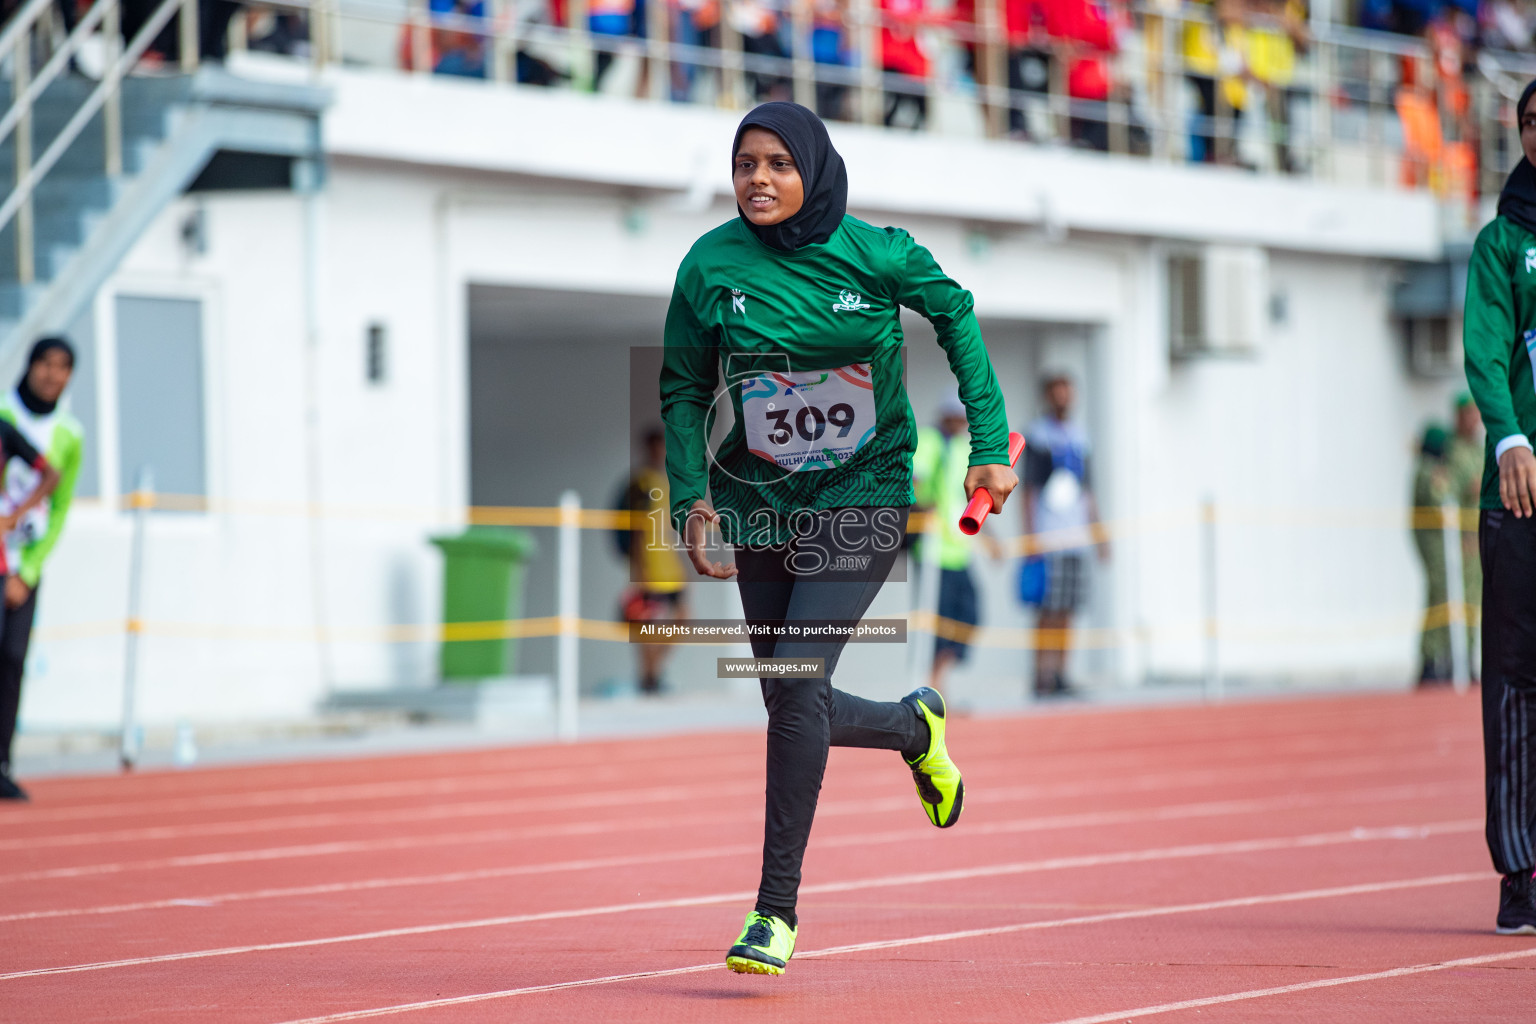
pixel 437 185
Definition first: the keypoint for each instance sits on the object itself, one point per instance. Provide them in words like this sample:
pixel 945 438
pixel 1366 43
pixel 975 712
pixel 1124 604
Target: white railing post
pixel 421 38
pixel 112 108
pixel 871 98
pixel 1456 597
pixel 579 30
pixel 21 68
pixel 568 639
pixel 802 28
pixel 191 41
pixel 141 500
pixel 1215 687
pixel 501 45
pixel 733 88
pixel 658 43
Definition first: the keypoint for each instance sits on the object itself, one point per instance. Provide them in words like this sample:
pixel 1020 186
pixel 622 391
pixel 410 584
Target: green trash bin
pixel 482 582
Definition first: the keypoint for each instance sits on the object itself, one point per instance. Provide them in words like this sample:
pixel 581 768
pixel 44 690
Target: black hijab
pixel 1518 200
pixel 821 171
pixel 41 348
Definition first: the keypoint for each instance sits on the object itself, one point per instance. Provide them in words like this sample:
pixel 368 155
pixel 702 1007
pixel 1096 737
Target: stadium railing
pixel 1329 103
pixel 569 629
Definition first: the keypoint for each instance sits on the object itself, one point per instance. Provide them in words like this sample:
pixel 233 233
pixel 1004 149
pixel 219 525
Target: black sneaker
pixel 9 790
pixel 1517 905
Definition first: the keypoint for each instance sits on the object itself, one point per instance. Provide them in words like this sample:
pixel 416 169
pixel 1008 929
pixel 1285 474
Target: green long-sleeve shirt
pixel 780 326
pixel 60 438
pixel 1499 339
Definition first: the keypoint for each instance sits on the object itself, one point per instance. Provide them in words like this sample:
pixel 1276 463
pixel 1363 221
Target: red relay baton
pixel 980 505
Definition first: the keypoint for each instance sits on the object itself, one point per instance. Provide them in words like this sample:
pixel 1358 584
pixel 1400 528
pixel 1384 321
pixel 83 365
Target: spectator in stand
pixel 213 18
pixel 1039 33
pixel 1506 25
pixel 614 19
pixel 1028 67
pixel 268 30
pixel 900 53
pixel 1084 35
pixel 694 23
pixel 1216 59
pixel 829 46
pixel 457 50
pixel 758 24
pixel 1278 30
pixel 452 49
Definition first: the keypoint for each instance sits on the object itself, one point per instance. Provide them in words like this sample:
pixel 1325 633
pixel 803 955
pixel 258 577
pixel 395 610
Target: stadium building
pixel 333 304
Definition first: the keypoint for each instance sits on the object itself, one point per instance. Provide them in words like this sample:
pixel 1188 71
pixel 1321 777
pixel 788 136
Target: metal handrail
pixel 23 104
pixel 110 83
pixel 21 22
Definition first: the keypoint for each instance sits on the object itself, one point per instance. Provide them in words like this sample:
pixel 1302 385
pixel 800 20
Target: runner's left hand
pixel 997 479
pixel 16 592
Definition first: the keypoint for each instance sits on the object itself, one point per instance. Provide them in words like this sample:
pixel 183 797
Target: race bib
pixel 815 419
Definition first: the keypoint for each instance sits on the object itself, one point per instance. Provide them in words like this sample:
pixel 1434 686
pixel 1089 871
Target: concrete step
pixel 14 298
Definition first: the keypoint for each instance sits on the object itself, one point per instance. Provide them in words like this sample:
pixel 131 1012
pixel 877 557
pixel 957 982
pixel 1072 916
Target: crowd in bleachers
pixel 1222 81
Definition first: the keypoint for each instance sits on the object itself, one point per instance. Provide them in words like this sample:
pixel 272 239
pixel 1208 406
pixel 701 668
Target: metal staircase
pixel 96 160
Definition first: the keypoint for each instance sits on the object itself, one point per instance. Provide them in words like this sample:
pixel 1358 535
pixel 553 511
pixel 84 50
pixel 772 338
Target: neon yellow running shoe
pixel 938 780
pixel 764 946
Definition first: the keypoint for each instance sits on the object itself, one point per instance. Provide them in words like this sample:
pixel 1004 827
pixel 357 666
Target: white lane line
pixel 437 812
pixel 971 933
pixel 1303 986
pixel 1357 835
pixel 1140 783
pixel 508 779
pixel 1092 819
pixel 512 774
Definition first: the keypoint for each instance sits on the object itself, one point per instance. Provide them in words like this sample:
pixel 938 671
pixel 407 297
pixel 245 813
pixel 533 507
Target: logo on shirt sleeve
pixel 738 302
pixel 849 302
pixel 1530 260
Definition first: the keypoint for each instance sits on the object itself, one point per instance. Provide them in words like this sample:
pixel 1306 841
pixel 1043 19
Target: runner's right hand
pixel 1517 481
pixel 693 539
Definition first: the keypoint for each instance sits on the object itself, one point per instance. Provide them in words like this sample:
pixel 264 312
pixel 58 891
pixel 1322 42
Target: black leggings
pixel 842 558
pixel 15 636
pixel 1508 549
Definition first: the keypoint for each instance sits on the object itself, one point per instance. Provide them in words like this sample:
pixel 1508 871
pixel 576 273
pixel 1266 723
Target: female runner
pixel 1499 339
pixel 798 305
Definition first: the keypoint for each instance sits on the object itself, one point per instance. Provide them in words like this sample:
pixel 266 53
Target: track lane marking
pixel 1321 839
pixel 437 786
pixel 835 808
pixel 1145 783
pixel 1303 986
pixel 1091 819
pixel 970 933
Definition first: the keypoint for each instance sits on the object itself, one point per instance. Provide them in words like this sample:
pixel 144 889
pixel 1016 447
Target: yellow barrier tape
pixel 1013 637
pixel 1237 514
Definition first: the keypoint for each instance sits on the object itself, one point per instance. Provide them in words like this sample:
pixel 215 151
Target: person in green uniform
pixel 1431 486
pixel 33 409
pixel 938 482
pixel 797 306
pixel 1464 467
pixel 1499 343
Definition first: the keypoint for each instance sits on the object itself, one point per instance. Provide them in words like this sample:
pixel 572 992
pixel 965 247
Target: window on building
pixel 160 393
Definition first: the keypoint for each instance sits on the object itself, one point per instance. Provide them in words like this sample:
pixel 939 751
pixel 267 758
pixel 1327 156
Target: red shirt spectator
pixel 899 50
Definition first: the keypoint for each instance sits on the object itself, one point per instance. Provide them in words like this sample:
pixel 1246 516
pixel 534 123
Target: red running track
pixel 1317 860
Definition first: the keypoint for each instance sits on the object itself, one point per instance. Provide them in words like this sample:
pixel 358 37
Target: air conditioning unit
pixel 1434 345
pixel 1217 300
